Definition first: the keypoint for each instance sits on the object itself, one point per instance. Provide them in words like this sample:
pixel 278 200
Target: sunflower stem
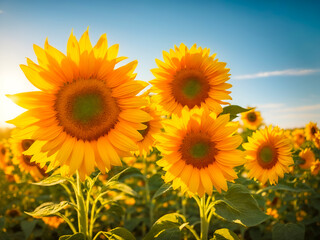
pixel 82 212
pixel 203 218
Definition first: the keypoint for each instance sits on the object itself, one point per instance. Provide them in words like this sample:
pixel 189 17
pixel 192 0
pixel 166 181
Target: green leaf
pixel 289 231
pixel 163 189
pixel 118 233
pixel 123 188
pixel 27 227
pixel 224 234
pixel 112 180
pixel 284 188
pixel 76 236
pixel 2 222
pixel 165 225
pixel 233 110
pixel 48 208
pixel 50 181
pixel 238 206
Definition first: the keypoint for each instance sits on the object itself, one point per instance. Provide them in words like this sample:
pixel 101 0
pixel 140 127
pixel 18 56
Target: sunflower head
pixel 298 137
pixel 251 119
pixel 199 151
pixel 190 78
pixel 268 154
pixel 53 221
pixel 4 154
pixel 315 168
pixel 311 130
pixel 317 139
pixel 308 158
pixel 86 113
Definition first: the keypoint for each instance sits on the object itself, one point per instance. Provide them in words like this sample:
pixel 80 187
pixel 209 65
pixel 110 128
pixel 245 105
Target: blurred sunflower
pixel 23 161
pixel 4 154
pixel 251 119
pixel 308 158
pixel 311 129
pixel 269 155
pixel 191 78
pixel 53 221
pixel 298 137
pixel 317 139
pixel 199 151
pixel 315 168
pixel 87 113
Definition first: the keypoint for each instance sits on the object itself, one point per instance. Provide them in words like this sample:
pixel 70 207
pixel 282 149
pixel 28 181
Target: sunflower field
pixel 98 154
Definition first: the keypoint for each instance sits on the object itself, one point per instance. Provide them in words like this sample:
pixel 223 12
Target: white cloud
pixel 270 105
pixel 301 108
pixel 1 11
pixel 288 72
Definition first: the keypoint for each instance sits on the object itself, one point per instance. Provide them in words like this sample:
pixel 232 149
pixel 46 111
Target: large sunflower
pixel 269 155
pixel 251 119
pixel 18 146
pixel 311 130
pixel 307 157
pixel 199 151
pixel 87 113
pixel 190 77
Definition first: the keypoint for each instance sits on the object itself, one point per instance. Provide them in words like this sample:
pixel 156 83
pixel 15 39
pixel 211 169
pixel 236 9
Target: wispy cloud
pixel 1 11
pixel 271 105
pixel 301 108
pixel 287 72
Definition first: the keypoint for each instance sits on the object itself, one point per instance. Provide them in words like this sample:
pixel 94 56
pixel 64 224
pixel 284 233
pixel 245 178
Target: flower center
pixel 267 156
pixel 26 144
pixel 197 149
pixel 313 130
pixel 3 151
pixel 252 117
pixel 190 87
pixel 86 109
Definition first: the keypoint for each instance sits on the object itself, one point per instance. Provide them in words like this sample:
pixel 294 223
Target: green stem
pixel 147 193
pixel 73 229
pixel 82 212
pixel 204 219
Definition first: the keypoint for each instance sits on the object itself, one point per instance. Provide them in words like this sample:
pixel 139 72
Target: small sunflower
pixel 315 168
pixel 87 113
pixel 190 78
pixel 199 151
pixel 153 127
pixel 251 119
pixel 4 155
pixel 268 155
pixel 53 221
pixel 311 129
pixel 23 161
pixel 308 158
pixel 298 137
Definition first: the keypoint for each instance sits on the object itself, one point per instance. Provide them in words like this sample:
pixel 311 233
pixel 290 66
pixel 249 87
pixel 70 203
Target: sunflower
pixel 317 139
pixel 268 152
pixel 199 151
pixel 190 78
pixel 87 113
pixel 4 155
pixel 153 127
pixel 251 119
pixel 311 129
pixel 298 137
pixel 53 221
pixel 23 161
pixel 315 168
pixel 308 158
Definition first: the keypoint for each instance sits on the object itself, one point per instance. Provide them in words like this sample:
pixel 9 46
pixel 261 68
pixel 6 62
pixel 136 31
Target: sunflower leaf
pixel 289 231
pixel 234 110
pixel 166 227
pixel 163 189
pixel 51 181
pixel 237 205
pixel 76 236
pixel 224 234
pixel 284 188
pixel 48 208
pixel 118 233
pixel 123 188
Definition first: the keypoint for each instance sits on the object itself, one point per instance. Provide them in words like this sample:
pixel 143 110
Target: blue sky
pixel 271 47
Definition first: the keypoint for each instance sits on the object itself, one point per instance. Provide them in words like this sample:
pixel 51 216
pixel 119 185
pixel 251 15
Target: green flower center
pixel 199 150
pixel 191 88
pixel 252 117
pixel 266 154
pixel 86 107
